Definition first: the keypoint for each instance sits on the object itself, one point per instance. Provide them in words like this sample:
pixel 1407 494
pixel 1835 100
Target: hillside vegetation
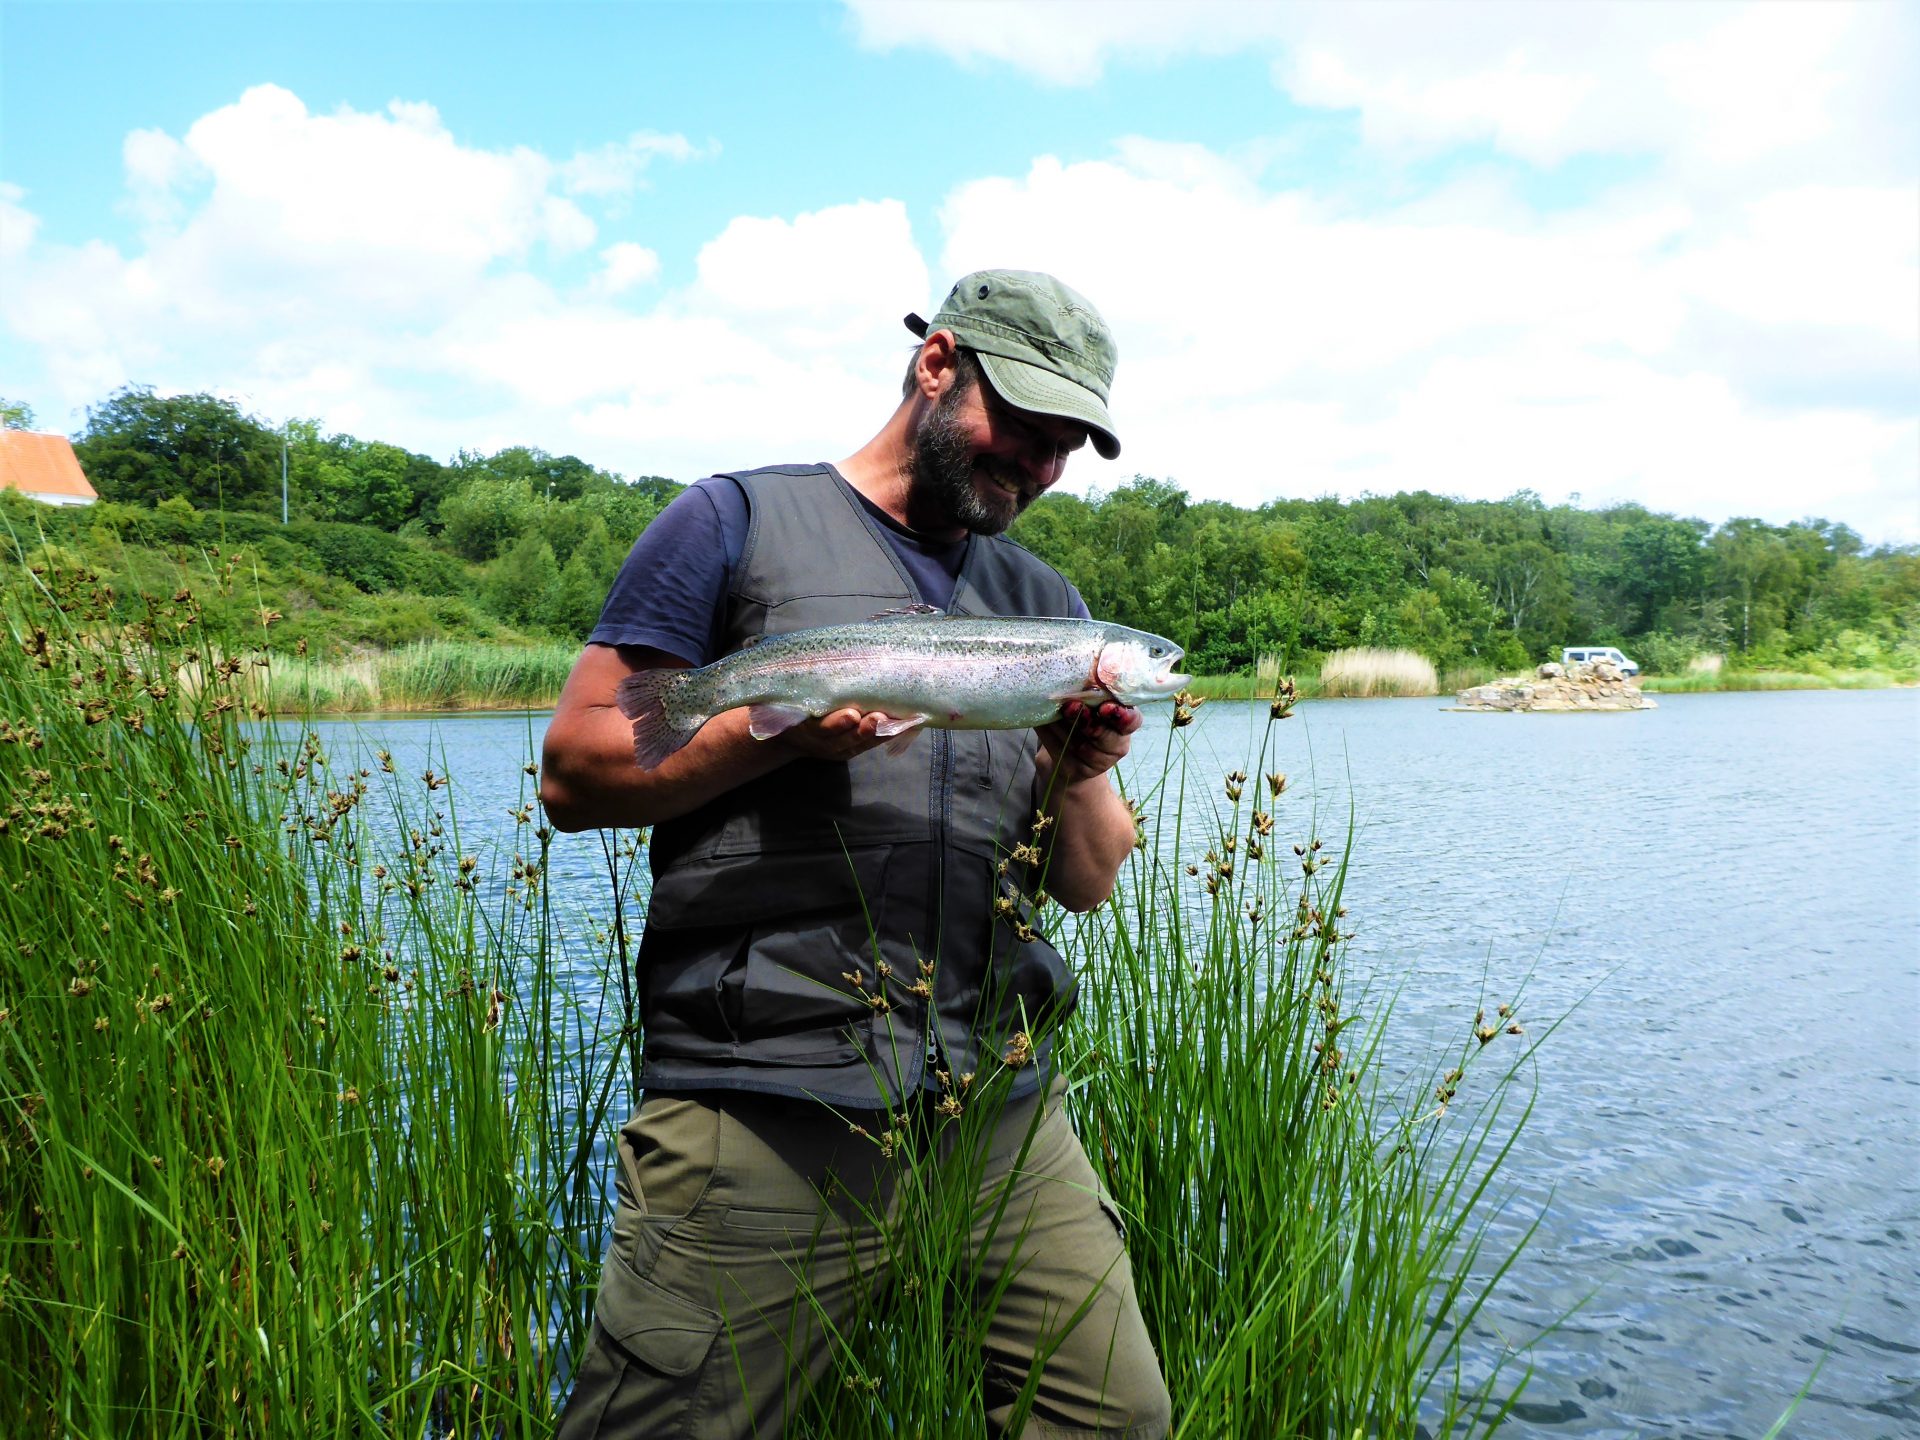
pixel 385 549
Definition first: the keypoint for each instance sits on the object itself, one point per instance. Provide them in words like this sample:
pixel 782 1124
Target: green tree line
pixel 387 545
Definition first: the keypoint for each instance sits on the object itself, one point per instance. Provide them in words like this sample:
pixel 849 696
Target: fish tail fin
pixel 660 726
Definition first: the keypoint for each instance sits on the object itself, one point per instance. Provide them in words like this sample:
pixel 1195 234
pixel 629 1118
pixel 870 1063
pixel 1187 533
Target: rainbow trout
pixel 953 672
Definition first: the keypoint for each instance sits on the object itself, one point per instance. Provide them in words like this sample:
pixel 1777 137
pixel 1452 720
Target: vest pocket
pixel 769 960
pixel 798 1004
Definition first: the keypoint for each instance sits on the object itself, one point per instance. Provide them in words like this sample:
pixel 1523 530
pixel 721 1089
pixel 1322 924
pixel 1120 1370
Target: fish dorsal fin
pixel 906 611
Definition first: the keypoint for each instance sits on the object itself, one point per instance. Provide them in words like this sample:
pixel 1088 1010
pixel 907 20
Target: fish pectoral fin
pixel 901 729
pixel 766 721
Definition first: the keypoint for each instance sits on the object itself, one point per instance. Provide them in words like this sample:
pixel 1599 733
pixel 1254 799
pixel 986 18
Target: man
pixel 787 871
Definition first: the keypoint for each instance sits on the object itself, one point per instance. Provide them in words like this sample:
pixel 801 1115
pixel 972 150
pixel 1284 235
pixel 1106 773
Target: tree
pixel 484 514
pixel 573 603
pixel 142 447
pixel 15 414
pixel 518 589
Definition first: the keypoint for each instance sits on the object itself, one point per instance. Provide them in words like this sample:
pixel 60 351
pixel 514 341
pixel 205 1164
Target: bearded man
pixel 787 870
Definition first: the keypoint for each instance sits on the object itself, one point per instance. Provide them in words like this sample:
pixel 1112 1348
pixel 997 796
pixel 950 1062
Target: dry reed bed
pixel 1365 672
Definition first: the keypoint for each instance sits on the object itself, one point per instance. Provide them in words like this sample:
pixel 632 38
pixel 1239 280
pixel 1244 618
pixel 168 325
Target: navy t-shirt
pixel 671 593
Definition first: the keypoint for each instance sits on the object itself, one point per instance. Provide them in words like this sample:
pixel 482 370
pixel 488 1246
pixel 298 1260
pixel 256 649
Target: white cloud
pixel 1702 346
pixel 1273 345
pixel 1739 317
pixel 627 265
pixel 18 225
pixel 828 278
pixel 1790 82
pixel 1065 42
pixel 619 168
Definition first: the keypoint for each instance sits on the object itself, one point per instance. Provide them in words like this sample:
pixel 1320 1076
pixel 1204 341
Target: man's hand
pixel 1095 831
pixel 837 735
pixel 1085 742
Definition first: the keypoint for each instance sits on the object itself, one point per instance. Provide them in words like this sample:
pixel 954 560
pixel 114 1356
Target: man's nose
pixel 1045 462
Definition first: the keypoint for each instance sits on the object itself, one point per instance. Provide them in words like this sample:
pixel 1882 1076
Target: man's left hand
pixel 1086 741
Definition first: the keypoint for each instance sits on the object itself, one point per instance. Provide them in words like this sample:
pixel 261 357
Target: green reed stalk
pixel 1309 1239
pixel 288 1112
pixel 297 1122
pixel 1305 1244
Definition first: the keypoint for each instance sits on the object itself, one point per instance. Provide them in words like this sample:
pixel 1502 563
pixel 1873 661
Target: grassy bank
pixel 297 1116
pixel 1698 682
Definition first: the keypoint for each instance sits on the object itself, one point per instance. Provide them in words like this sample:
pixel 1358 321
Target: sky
pixel 1666 253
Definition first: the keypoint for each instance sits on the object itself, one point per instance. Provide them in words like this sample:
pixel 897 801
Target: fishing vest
pixel 831 929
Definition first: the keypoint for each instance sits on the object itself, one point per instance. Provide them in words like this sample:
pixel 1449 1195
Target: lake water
pixel 1720 902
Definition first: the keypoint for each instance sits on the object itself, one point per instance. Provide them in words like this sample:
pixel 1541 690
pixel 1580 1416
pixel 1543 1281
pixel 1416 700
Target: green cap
pixel 1042 344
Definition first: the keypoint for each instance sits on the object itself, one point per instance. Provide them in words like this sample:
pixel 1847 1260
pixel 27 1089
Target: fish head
pixel 1136 667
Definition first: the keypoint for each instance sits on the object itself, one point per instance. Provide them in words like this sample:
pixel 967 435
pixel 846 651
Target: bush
pixel 1662 653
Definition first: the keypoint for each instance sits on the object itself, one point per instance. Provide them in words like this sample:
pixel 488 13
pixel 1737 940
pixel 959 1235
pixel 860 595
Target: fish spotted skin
pixel 952 672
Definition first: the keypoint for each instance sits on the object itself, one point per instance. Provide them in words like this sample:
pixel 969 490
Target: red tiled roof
pixel 41 465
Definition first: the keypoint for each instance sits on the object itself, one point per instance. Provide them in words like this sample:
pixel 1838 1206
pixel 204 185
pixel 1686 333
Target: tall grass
pixel 1465 677
pixel 1367 672
pixel 1307 1222
pixel 1246 687
pixel 1308 1232
pixel 290 1117
pixel 1702 681
pixel 431 675
pixel 298 1126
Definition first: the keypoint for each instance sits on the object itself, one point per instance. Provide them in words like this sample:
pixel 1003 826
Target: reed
pixel 1703 681
pixel 1246 687
pixel 291 1107
pixel 1365 672
pixel 299 1129
pixel 1465 677
pixel 1311 1239
pixel 431 675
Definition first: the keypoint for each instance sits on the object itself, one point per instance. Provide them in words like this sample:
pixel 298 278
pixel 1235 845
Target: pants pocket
pixel 670 1334
pixel 641 1374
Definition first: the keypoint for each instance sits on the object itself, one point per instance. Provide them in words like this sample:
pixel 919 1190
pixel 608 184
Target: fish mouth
pixel 1163 685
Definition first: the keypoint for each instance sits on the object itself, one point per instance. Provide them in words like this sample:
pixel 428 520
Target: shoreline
pixel 1232 688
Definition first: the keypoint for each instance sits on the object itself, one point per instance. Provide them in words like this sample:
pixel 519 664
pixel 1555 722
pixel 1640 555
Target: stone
pixel 1591 688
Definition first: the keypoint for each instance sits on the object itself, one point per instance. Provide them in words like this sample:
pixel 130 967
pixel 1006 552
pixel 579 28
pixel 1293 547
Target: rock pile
pixel 1598 686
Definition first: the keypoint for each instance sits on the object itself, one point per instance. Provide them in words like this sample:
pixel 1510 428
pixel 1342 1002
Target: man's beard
pixel 943 491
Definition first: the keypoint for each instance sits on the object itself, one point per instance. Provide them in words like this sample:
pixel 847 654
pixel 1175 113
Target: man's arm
pixel 589 778
pixel 1092 832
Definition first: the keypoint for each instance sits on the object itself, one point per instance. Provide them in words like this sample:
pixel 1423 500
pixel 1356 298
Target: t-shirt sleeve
pixel 1076 607
pixel 672 589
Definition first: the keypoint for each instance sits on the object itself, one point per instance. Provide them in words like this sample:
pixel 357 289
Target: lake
pixel 1719 901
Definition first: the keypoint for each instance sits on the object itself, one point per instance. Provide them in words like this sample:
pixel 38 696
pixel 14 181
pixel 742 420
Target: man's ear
pixel 938 368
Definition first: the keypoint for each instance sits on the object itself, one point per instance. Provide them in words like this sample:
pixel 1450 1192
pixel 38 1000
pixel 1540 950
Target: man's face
pixel 978 461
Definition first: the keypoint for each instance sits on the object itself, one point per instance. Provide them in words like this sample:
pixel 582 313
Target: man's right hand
pixel 837 735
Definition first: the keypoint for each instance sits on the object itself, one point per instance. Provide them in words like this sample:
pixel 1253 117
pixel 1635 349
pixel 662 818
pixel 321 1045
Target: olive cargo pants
pixel 724 1199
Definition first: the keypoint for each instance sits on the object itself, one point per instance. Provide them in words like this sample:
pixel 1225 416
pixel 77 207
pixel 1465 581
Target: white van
pixel 1587 654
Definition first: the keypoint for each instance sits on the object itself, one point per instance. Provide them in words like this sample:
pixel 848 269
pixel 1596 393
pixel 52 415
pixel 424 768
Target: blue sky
pixel 1646 252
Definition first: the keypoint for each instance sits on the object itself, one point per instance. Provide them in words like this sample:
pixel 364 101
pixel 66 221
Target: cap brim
pixel 1031 388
